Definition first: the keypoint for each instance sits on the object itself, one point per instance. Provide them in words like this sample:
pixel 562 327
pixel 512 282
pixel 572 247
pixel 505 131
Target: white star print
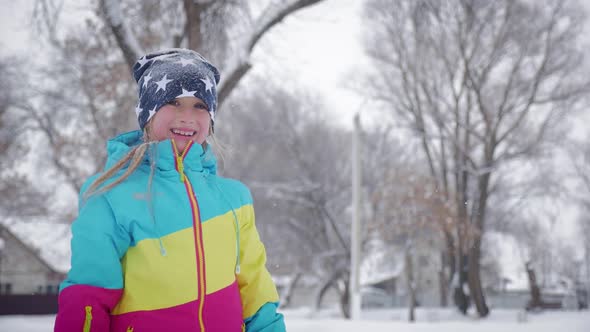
pixel 146 79
pixel 152 112
pixel 162 83
pixel 186 93
pixel 138 110
pixel 142 61
pixel 208 84
pixel 185 62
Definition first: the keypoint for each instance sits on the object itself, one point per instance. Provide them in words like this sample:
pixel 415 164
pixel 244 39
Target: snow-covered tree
pixel 18 196
pixel 580 153
pixel 87 75
pixel 298 165
pixel 478 84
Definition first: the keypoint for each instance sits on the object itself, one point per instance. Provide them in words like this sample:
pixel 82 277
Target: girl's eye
pixel 200 106
pixel 174 102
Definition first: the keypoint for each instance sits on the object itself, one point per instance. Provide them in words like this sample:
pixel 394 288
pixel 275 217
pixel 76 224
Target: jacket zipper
pixel 197 230
pixel 88 320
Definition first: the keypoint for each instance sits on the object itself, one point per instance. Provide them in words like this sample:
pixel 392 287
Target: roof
pixel 381 263
pixel 511 255
pixel 48 240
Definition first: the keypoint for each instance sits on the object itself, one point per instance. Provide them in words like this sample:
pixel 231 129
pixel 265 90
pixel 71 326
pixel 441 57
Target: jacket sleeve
pixel 257 289
pixel 94 283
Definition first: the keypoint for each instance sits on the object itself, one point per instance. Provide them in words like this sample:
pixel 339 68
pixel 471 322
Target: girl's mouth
pixel 183 132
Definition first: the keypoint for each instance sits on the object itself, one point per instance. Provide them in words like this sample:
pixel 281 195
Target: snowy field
pixel 428 320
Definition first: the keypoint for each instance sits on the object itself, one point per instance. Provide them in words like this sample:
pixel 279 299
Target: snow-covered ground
pixel 440 320
pixel 428 320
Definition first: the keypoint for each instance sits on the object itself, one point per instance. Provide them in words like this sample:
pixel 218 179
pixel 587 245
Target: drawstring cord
pixel 237 225
pixel 150 199
pixel 151 207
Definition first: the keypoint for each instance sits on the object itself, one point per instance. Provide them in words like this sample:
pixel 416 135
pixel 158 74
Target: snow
pixel 427 320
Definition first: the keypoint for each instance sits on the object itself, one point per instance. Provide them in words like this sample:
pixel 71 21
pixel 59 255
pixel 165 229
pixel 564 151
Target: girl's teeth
pixel 183 133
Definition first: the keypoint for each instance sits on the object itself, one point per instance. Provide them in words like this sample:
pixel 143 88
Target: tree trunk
pixel 461 200
pixel 448 265
pixel 411 284
pixel 328 282
pixel 475 288
pixel 320 295
pixel 344 300
pixel 474 277
pixel 460 299
pixel 194 11
pixel 535 300
pixel 443 286
pixel 286 297
pixel 587 256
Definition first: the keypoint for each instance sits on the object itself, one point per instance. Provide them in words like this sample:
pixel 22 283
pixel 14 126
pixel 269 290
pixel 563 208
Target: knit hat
pixel 173 73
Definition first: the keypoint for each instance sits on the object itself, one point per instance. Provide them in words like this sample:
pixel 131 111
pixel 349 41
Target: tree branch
pixel 272 15
pixel 126 40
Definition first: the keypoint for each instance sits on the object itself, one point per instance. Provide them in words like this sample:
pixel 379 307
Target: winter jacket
pixel 179 254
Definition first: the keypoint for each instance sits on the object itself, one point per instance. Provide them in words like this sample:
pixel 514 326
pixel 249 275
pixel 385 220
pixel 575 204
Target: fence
pixel 36 304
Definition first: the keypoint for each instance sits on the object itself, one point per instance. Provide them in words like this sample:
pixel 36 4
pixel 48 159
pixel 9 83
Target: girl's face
pixel 182 119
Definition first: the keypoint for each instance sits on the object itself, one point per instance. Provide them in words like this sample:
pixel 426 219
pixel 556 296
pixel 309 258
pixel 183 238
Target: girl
pixel 162 243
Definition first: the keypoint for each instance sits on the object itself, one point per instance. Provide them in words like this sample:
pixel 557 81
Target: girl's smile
pixel 182 119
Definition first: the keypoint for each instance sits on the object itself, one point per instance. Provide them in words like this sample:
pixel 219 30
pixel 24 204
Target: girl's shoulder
pixel 135 180
pixel 234 189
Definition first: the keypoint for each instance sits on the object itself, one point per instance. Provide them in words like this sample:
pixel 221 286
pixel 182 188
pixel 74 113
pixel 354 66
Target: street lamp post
pixel 355 234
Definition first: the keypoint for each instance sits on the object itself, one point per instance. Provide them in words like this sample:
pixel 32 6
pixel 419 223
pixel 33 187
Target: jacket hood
pixel 196 159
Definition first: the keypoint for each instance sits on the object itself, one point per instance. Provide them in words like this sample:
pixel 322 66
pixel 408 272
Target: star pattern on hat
pixel 163 83
pixel 186 93
pixel 208 84
pixel 146 79
pixel 142 61
pixel 167 75
pixel 152 112
pixel 184 62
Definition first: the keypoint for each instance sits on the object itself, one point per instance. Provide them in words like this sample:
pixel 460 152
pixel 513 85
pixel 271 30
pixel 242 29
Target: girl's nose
pixel 184 116
pixel 186 120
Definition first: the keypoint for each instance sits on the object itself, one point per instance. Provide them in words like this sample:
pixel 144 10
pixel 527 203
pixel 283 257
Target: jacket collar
pixel 196 159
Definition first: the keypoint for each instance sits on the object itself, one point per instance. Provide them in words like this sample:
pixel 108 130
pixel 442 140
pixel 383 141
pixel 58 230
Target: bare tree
pixel 535 247
pixel 80 101
pixel 18 197
pixel 298 166
pixel 413 220
pixel 404 209
pixel 580 156
pixel 585 233
pixel 479 84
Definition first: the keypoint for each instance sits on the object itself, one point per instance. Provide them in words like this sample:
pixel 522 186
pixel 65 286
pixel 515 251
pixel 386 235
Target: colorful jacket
pixel 179 254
